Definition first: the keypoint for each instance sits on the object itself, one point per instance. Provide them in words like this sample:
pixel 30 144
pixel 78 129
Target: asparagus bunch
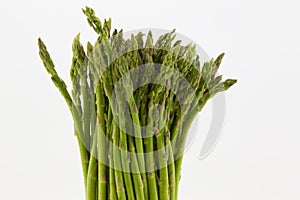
pixel 133 101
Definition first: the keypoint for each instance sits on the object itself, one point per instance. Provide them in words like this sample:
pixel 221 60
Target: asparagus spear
pixel 59 83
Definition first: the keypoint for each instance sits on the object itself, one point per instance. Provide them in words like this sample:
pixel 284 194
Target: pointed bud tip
pixel 229 82
pixel 77 37
pixel 41 44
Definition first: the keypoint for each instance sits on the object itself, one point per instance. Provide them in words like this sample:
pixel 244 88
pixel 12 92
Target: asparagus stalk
pixel 117 163
pixel 59 83
pixel 150 161
pixel 101 141
pixel 112 185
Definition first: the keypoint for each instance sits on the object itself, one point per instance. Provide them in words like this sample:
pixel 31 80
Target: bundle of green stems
pixel 133 101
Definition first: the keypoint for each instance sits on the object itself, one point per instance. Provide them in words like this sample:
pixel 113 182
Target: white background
pixel 258 156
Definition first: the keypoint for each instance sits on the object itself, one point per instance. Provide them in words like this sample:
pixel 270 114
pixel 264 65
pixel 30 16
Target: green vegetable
pixel 133 101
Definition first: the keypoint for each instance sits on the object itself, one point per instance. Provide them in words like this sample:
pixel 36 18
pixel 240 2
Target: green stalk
pixel 139 144
pixel 171 164
pixel 86 116
pixel 112 194
pixel 80 83
pixel 172 172
pixel 92 175
pixel 163 172
pixel 101 140
pixel 84 156
pixel 178 162
pixel 162 160
pixel 137 178
pixel 150 161
pixel 112 184
pixel 143 120
pixel 117 164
